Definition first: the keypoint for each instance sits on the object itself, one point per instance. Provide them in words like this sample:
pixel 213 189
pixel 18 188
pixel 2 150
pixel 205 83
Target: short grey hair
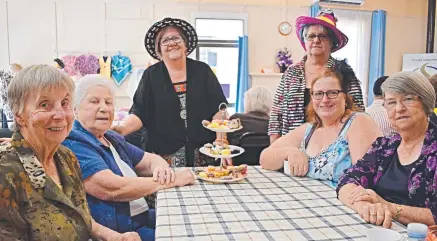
pixel 87 82
pixel 411 83
pixel 258 99
pixel 33 80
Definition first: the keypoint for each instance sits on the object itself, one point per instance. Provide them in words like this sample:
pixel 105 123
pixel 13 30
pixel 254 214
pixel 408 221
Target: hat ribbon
pixel 326 20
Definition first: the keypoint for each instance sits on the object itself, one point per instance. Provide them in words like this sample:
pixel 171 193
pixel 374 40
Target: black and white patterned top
pixel 288 110
pixel 5 79
pixel 377 111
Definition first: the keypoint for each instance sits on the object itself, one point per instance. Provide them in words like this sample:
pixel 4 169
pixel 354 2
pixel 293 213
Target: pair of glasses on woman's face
pixel 176 39
pixel 312 36
pixel 331 94
pixel 406 101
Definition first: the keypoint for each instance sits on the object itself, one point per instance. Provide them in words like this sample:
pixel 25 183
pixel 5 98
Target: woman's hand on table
pixel 164 175
pixel 129 236
pixel 5 140
pixel 298 162
pixel 184 177
pixel 378 214
pixel 360 194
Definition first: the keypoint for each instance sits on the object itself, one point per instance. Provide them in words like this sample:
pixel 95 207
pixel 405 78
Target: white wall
pixel 40 30
pixel 4 53
pixel 37 31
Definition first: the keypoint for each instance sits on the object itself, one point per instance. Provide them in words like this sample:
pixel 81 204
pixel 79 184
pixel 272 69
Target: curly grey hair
pixel 33 80
pixel 258 99
pixel 411 83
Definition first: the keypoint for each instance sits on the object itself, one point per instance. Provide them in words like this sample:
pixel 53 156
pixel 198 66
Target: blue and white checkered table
pixel 266 206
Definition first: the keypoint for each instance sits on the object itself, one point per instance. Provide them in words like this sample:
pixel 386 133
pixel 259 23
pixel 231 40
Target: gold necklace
pixel 419 137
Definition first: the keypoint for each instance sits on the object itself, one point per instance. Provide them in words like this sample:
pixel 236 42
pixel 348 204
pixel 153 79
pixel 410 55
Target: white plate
pixel 204 151
pixel 221 181
pixel 223 130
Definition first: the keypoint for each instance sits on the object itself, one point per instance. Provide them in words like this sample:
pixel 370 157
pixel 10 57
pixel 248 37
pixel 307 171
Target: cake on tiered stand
pixel 221 149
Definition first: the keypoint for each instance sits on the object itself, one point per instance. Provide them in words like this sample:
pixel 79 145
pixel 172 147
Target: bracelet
pixel 398 212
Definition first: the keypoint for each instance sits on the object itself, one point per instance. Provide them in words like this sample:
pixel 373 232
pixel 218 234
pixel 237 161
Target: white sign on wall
pixel 423 63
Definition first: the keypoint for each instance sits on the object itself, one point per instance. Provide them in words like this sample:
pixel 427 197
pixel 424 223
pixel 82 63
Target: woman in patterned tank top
pixel 333 139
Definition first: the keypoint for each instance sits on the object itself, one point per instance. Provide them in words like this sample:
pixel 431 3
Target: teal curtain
pixel 314 10
pixel 377 51
pixel 243 72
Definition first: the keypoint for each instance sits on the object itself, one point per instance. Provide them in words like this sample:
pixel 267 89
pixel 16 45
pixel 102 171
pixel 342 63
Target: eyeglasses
pixel 331 94
pixel 406 101
pixel 322 37
pixel 176 39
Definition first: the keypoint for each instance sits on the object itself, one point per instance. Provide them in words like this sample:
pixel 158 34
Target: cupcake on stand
pixel 220 148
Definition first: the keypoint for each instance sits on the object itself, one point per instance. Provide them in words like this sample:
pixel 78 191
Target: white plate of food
pixel 219 151
pixel 227 174
pixel 225 126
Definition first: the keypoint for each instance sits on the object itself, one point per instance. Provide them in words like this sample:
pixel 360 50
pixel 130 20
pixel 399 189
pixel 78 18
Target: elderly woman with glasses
pixel 397 177
pixel 332 140
pixel 319 37
pixel 175 96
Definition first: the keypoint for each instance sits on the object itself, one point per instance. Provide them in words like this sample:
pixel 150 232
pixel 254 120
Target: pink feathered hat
pixel 327 19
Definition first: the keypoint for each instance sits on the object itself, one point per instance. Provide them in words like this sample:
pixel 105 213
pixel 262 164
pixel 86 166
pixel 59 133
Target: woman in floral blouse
pixel 397 178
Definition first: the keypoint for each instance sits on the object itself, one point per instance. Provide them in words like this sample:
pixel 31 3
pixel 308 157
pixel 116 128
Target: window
pixel 357 25
pixel 218 47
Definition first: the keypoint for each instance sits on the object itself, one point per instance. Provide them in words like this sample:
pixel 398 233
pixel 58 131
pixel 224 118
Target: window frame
pixel 202 43
pixel 221 16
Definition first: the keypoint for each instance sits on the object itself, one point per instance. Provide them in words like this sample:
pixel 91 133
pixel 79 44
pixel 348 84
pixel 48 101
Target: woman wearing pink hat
pixel 320 37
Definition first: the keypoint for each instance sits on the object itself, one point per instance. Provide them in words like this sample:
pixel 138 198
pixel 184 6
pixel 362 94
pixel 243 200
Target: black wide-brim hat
pixel 187 30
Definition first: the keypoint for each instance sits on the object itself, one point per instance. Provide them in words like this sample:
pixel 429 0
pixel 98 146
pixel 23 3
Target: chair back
pixel 253 144
pixel 5 132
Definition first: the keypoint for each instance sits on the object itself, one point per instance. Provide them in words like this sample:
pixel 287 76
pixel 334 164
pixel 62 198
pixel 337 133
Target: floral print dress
pixel 32 205
pixel 331 162
pixel 422 181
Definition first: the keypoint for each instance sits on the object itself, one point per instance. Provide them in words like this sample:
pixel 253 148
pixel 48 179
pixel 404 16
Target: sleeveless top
pixel 331 162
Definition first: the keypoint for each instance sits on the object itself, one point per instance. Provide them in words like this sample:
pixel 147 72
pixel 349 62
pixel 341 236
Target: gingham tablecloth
pixel 266 206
